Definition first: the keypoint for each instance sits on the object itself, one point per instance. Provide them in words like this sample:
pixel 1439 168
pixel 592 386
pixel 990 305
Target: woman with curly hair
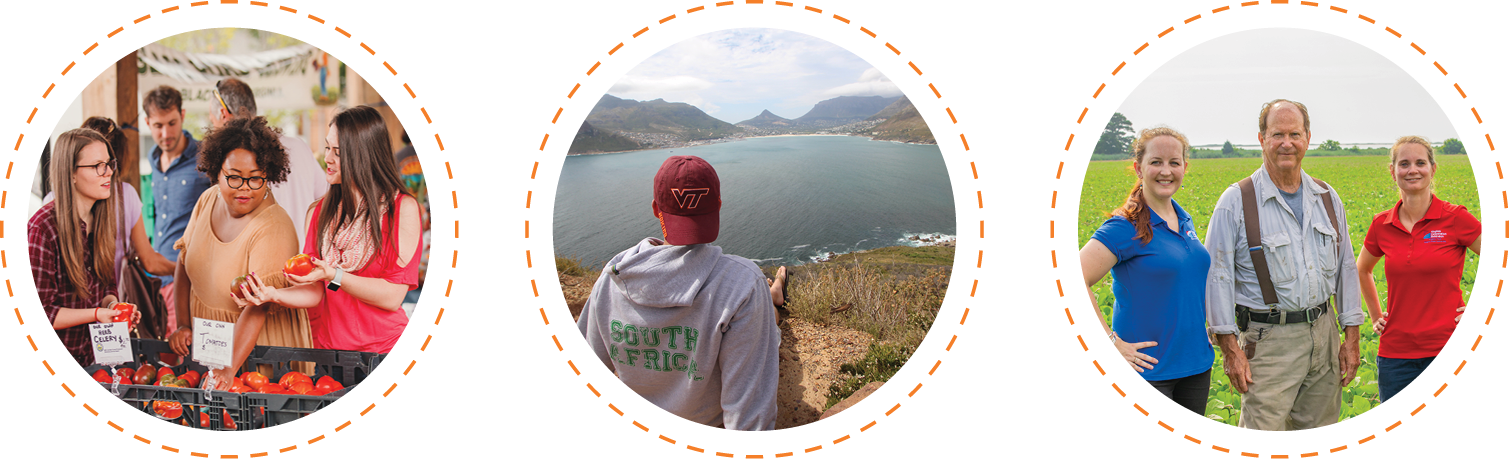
pixel 238 229
pixel 364 238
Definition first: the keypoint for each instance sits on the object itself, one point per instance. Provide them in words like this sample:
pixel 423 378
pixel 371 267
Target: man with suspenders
pixel 1280 252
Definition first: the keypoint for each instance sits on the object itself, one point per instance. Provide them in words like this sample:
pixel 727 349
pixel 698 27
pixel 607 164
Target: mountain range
pixel 617 124
pixel 658 117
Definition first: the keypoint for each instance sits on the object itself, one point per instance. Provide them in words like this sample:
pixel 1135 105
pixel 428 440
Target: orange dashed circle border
pixel 1053 254
pixel 295 15
pixel 841 21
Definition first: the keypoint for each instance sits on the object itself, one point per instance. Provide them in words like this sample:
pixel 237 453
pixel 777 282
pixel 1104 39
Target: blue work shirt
pixel 174 193
pixel 1160 293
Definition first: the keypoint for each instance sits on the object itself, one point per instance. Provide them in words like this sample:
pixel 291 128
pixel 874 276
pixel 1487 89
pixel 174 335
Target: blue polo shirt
pixel 1160 293
pixel 174 193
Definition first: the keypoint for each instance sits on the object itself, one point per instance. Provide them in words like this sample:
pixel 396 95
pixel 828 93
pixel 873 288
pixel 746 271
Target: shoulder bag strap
pixel 1255 241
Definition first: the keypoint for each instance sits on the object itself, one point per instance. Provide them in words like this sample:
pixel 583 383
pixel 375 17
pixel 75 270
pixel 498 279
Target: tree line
pixel 1116 143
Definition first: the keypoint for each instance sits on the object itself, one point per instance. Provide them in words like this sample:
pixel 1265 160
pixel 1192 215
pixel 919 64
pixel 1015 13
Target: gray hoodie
pixel 691 330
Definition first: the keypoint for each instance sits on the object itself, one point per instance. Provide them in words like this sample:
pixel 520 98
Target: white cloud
pixel 637 84
pixel 739 72
pixel 871 83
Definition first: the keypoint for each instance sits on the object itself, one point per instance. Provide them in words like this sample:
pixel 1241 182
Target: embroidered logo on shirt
pixel 1434 236
pixel 1191 235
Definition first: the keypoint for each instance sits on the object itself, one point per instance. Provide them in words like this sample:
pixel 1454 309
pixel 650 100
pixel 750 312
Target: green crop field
pixel 1366 189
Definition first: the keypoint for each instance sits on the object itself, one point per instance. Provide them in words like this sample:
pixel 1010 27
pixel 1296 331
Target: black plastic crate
pixel 247 411
pixel 346 367
pixel 196 405
pixel 267 410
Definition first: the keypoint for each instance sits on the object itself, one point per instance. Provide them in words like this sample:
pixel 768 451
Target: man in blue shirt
pixel 176 180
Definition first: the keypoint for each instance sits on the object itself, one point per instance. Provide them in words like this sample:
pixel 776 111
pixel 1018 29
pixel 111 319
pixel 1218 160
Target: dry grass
pixel 881 294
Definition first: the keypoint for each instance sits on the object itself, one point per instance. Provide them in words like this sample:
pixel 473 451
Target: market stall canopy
pixel 281 79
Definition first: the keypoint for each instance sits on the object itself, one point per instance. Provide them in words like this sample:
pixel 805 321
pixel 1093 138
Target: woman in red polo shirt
pixel 1423 241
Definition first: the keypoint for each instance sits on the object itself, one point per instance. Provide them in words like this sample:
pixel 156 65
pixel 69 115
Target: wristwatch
pixel 335 284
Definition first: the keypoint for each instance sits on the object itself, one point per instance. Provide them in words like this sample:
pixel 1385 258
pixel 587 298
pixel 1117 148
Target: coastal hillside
pixel 851 322
pixel 902 124
pixel 592 140
pixel 657 118
pixel 767 120
pixel 844 110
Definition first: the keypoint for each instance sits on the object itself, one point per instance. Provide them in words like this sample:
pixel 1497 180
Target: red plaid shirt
pixel 53 286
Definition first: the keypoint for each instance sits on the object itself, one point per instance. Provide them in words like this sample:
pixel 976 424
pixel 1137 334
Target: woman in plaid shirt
pixel 75 277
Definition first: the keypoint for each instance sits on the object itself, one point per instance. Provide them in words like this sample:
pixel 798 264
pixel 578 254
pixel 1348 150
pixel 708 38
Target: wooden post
pixel 126 113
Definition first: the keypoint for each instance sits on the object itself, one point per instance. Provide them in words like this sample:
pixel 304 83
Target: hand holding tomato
pixel 318 272
pixel 252 292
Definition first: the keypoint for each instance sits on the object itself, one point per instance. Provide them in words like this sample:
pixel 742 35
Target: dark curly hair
pixel 250 134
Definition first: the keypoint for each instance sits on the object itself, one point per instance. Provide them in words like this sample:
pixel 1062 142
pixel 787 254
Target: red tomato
pixel 230 424
pixel 236 286
pixel 241 388
pixel 101 375
pixel 204 419
pixel 300 388
pixel 299 265
pixel 124 312
pixel 127 374
pixel 167 410
pixel 254 379
pixel 146 375
pixel 294 377
pixel 272 388
pixel 191 377
pixel 318 392
pixel 328 384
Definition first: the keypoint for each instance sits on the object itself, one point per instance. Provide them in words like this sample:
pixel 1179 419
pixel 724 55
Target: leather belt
pixel 1288 317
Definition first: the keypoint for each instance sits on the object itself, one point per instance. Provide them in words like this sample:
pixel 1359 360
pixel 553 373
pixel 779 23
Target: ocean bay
pixel 786 199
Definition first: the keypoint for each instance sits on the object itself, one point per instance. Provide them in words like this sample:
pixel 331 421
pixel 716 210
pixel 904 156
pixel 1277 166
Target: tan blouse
pixel 262 247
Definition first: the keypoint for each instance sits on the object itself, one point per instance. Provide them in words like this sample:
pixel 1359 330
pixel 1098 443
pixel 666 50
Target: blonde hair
pixel 66 216
pixel 1135 209
pixel 1430 156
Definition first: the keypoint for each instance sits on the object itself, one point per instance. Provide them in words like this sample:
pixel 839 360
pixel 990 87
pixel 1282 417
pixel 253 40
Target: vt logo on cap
pixel 688 199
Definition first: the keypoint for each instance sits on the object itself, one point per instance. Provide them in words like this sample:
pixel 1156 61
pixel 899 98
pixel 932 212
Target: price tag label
pixel 213 342
pixel 112 342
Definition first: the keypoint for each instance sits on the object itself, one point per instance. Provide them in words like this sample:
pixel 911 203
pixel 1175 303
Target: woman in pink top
pixel 366 251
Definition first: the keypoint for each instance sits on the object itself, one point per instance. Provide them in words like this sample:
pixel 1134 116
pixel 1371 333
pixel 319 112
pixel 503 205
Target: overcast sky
pixel 734 74
pixel 1213 92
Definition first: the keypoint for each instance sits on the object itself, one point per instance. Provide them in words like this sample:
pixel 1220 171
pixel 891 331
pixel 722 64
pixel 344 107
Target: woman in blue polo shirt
pixel 1158 268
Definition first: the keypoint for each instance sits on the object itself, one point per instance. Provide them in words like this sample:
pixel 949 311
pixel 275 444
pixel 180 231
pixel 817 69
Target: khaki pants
pixel 1296 375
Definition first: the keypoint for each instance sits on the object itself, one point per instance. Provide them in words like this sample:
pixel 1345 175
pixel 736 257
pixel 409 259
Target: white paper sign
pixel 213 342
pixel 111 342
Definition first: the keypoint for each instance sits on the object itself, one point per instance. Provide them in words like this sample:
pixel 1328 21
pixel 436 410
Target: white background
pixel 491 381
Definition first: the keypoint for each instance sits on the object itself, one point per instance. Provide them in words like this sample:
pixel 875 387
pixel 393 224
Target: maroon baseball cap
pixel 687 199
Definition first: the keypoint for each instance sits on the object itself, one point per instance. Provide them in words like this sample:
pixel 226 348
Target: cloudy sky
pixel 734 74
pixel 1213 92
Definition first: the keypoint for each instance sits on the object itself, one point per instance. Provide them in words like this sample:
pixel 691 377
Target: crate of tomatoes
pixel 172 394
pixel 163 385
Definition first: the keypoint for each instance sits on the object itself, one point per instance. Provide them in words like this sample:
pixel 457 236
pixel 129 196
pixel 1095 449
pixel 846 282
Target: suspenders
pixel 1255 237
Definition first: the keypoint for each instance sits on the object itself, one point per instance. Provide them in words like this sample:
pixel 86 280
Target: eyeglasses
pixel 102 168
pixel 255 183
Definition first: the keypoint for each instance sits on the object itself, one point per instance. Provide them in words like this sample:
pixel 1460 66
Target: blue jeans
pixel 1396 374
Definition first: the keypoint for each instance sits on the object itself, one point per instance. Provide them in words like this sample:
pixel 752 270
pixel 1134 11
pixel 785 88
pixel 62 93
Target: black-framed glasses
pixel 100 168
pixel 236 181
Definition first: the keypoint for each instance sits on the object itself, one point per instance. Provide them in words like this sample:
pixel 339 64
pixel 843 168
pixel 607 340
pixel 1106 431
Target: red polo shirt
pixel 1423 268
